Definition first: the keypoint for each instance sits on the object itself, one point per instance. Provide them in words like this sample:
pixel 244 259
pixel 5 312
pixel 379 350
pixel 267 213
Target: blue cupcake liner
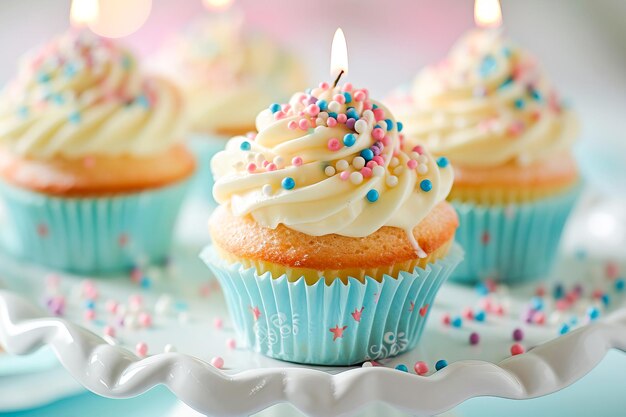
pixel 99 235
pixel 337 324
pixel 204 147
pixel 513 244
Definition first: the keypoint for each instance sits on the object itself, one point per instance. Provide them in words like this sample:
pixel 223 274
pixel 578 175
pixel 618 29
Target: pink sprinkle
pixel 90 315
pixel 562 305
pixel 446 319
pixel 539 318
pixel 112 306
pixel 271 166
pixel 303 124
pixel 342 118
pixel 339 98
pixel 218 323
pixel 612 270
pixel 135 301
pixel 231 344
pixel 367 105
pixel 371 164
pixel 499 310
pixel 331 122
pixel 379 114
pixel 412 164
pixel 468 313
pixel 145 320
pixel 419 149
pixel 279 115
pixel 386 141
pixel 334 144
pixel 378 133
pixel 286 107
pixel 265 163
pixel 517 349
pixel 366 172
pixel 251 167
pixel 296 161
pixel 136 274
pixel 347 87
pixel 293 125
pixel 540 291
pixel 359 96
pixel 109 331
pixel 313 110
pixel 217 362
pixel 324 86
pixel 141 349
pixel 379 160
pixel 421 368
pixel 516 128
pixel 344 175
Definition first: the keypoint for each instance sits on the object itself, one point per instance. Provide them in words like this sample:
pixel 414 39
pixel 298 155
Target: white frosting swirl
pixel 81 95
pixel 487 104
pixel 229 73
pixel 331 186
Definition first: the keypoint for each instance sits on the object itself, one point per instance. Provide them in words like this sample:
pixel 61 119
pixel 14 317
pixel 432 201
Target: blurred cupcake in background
pixel 330 242
pixel 228 73
pixel 491 110
pixel 92 169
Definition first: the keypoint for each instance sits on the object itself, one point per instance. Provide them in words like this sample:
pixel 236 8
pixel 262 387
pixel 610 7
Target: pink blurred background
pixel 581 44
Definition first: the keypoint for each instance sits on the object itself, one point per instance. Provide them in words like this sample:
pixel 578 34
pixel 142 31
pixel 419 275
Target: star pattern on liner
pixel 337 332
pixel 255 312
pixel 42 230
pixel 356 314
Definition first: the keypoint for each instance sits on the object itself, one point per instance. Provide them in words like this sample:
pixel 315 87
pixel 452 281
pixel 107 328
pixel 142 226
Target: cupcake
pixel 92 172
pixel 228 73
pixel 330 242
pixel 489 108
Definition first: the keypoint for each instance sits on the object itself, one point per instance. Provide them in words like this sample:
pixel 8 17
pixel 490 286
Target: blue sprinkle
pixel 145 283
pixel 74 117
pixel 606 300
pixel 620 284
pixel 457 322
pixel 274 107
pixel 70 70
pixel 426 185
pixel 349 139
pixel 536 95
pixel 400 126
pixel 372 196
pixel 181 306
pixel 482 288
pixel 323 104
pixel 564 328
pixel 57 99
pixel 506 52
pixel 288 183
pixel 487 66
pixel 480 316
pixel 367 154
pixel 245 146
pixel 332 114
pixel 348 97
pixel 374 106
pixel 573 321
pixel 389 124
pixel 352 113
pixel 593 313
pixel 142 101
pixel 43 77
pixel 520 104
pixel 506 83
pixel 442 162
pixel 402 368
pixel 90 304
pixel 537 303
pixel 442 363
pixel 558 292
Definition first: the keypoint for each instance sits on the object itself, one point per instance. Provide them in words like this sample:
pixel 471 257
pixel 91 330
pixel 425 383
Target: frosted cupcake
pixel 330 242
pixel 228 74
pixel 92 172
pixel 490 109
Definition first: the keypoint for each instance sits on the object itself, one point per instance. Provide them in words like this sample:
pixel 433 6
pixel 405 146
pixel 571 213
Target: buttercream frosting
pixel 330 162
pixel 82 95
pixel 487 104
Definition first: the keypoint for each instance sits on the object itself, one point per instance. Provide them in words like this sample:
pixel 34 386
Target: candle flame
pixel 84 11
pixel 217 4
pixel 487 13
pixel 338 55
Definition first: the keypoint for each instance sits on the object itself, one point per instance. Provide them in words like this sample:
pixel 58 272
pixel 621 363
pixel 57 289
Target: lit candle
pixel 487 14
pixel 83 12
pixel 338 56
pixel 217 5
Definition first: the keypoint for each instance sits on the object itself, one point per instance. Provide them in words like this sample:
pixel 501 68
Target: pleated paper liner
pixel 99 235
pixel 336 324
pixel 512 243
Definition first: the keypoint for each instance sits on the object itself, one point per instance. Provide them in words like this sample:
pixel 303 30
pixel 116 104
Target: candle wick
pixel 337 79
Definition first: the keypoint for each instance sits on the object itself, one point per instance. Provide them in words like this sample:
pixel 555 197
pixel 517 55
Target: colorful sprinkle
pixel 274 107
pixel 517 349
pixel 441 363
pixel 217 362
pixel 372 196
pixel 141 349
pixel 426 185
pixel 474 338
pixel 367 154
pixel 245 146
pixel 349 139
pixel 288 183
pixel 442 162
pixel 420 368
pixel 402 367
pixel 296 161
pixel 334 144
